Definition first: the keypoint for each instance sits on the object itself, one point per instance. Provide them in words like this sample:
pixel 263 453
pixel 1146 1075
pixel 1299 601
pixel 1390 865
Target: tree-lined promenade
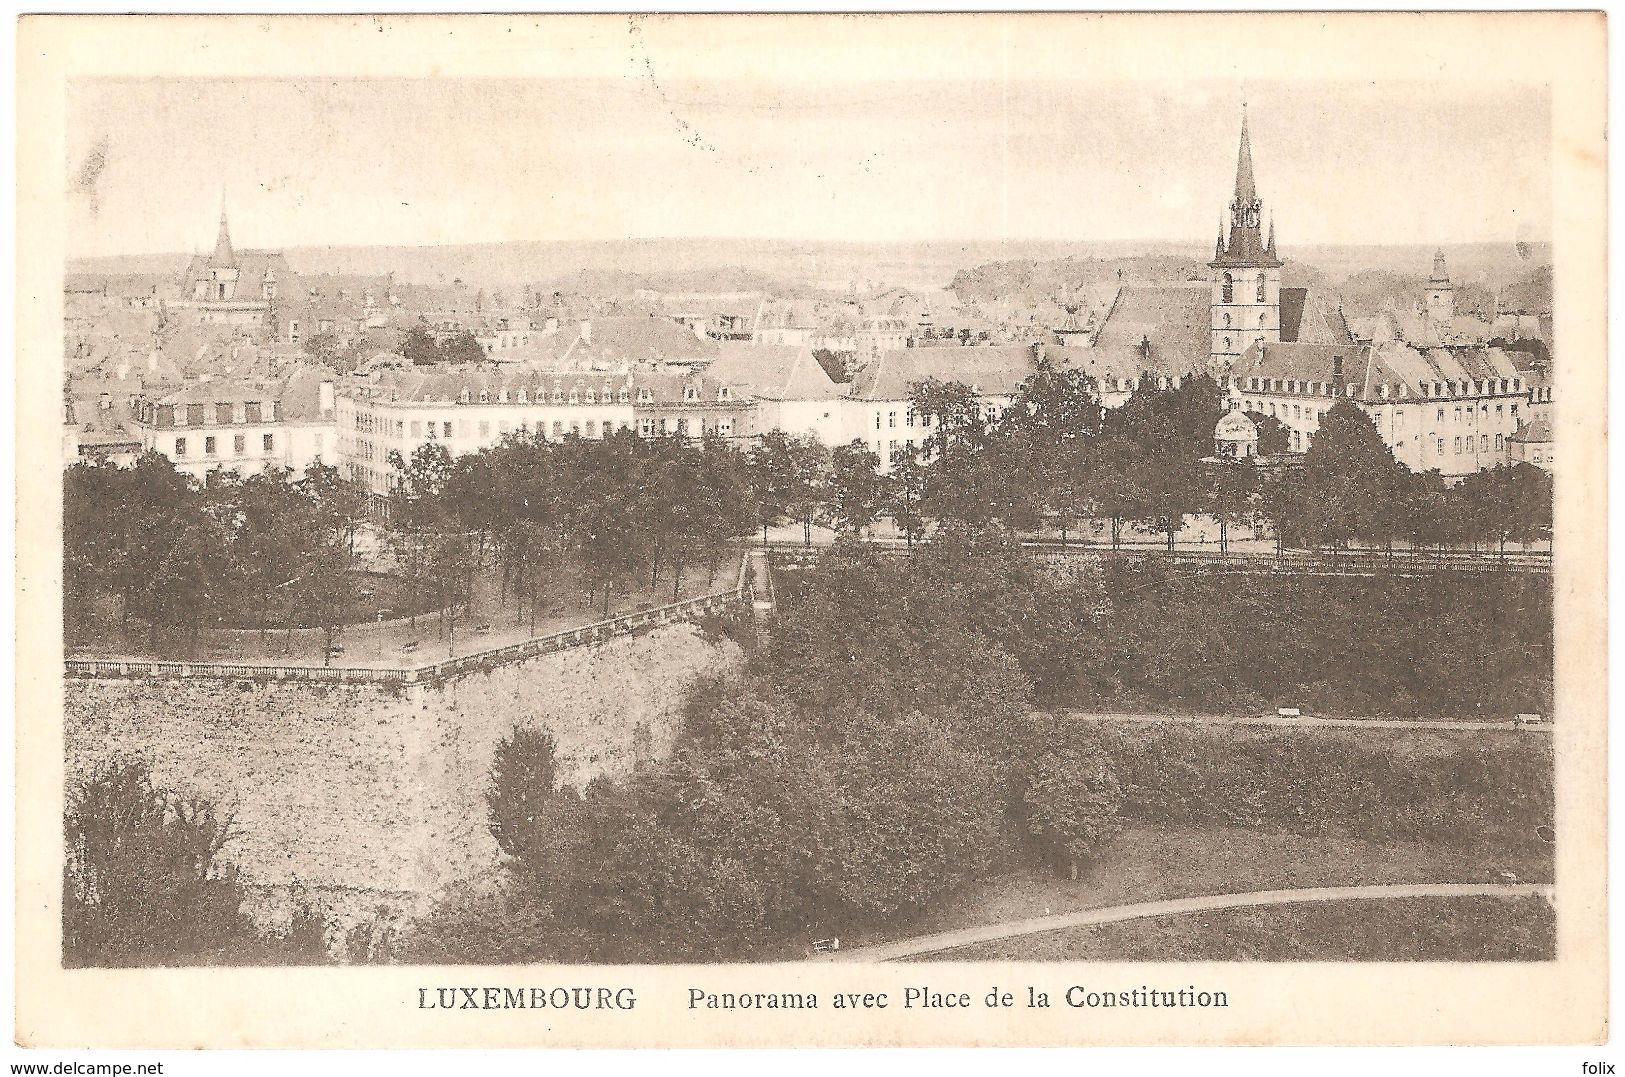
pixel 566 528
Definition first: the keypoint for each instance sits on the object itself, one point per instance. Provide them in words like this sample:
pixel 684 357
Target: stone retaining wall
pixel 377 791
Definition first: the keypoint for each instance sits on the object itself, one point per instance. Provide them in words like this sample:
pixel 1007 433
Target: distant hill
pixel 749 264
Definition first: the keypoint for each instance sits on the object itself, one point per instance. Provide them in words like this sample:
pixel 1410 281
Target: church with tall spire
pixel 1245 273
pixel 234 287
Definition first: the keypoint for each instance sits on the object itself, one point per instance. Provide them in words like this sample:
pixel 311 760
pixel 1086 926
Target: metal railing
pixel 1289 560
pixel 583 635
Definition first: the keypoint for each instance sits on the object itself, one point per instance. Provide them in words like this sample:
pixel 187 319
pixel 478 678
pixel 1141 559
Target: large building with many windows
pixel 1449 410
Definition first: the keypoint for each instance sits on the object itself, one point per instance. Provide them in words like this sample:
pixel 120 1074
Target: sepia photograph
pixel 642 513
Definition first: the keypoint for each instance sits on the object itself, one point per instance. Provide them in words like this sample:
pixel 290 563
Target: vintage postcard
pixel 745 530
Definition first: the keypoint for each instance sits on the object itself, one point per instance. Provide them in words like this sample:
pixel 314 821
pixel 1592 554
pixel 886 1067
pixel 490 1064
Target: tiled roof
pixel 1305 318
pixel 1368 367
pixel 1176 319
pixel 639 340
pixel 996 371
pixel 1536 431
pixel 252 267
pixel 773 371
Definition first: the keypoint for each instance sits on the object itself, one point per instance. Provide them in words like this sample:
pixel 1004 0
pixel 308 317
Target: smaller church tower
pixel 1441 297
pixel 1245 272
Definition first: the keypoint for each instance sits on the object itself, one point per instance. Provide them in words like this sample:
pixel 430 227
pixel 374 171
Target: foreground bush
pixel 1384 784
pixel 144 882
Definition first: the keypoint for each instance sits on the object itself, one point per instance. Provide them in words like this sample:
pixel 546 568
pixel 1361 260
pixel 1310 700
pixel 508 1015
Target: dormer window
pixel 592 397
pixel 625 397
pixel 691 392
pixel 646 396
pixel 502 396
pixel 575 397
pixel 462 397
pixel 558 395
pixel 524 396
pixel 725 393
pixel 1404 390
pixel 485 396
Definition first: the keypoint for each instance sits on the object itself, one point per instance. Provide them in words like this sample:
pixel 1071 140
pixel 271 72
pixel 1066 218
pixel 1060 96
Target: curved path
pixel 953 940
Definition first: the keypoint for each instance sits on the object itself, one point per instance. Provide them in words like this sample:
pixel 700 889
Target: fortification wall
pixel 370 795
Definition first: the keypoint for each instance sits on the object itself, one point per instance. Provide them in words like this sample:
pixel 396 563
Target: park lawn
pixel 1370 929
pixel 1157 863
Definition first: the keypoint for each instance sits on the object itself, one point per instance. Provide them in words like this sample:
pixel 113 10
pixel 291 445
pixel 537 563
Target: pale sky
pixel 426 161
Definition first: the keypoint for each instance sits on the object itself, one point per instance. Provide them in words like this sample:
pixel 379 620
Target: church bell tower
pixel 1245 273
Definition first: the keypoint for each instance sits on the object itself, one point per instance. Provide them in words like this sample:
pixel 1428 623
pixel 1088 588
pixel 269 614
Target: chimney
pixel 1337 375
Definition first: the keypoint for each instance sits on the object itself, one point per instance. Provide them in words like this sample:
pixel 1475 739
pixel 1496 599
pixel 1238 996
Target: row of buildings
pixel 1443 398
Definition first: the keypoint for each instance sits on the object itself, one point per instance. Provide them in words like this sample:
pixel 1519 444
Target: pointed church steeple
pixel 1269 247
pixel 1246 188
pixel 1246 247
pixel 223 255
pixel 1440 276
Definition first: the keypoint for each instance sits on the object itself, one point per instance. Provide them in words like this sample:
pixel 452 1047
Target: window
pixel 1227 321
pixel 1513 409
pixel 417 428
pixel 575 397
pixel 1262 321
pixel 558 428
pixel 463 428
pixel 624 396
pixel 238 445
pixel 1499 445
pixel 1261 296
pixel 268 442
pixel 485 396
pixel 558 396
pixel 646 428
pixel 725 393
pixel 592 397
pixel 1229 293
pixel 445 429
pixel 592 428
pixel 433 430
pixel 1483 443
pixel 524 396
pixel 208 446
pixel 891 419
pixel 725 427
pixel 1441 415
pixel 1226 344
pixel 909 417
pixel 180 446
pixel 485 429
pixel 877 420
pixel 502 396
pixel 690 392
pixel 1458 446
pixel 1441 446
pixel 502 426
pixel 1297 412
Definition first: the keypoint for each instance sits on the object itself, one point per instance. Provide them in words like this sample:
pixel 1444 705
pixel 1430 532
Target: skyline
pixel 315 163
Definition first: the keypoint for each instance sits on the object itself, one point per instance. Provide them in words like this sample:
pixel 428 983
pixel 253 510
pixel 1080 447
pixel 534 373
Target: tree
pixel 534 821
pixel 145 882
pixel 1231 485
pixel 856 492
pixel 322 348
pixel 1073 799
pixel 419 347
pixel 462 347
pixel 1351 481
pixel 1274 436
pixel 904 492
